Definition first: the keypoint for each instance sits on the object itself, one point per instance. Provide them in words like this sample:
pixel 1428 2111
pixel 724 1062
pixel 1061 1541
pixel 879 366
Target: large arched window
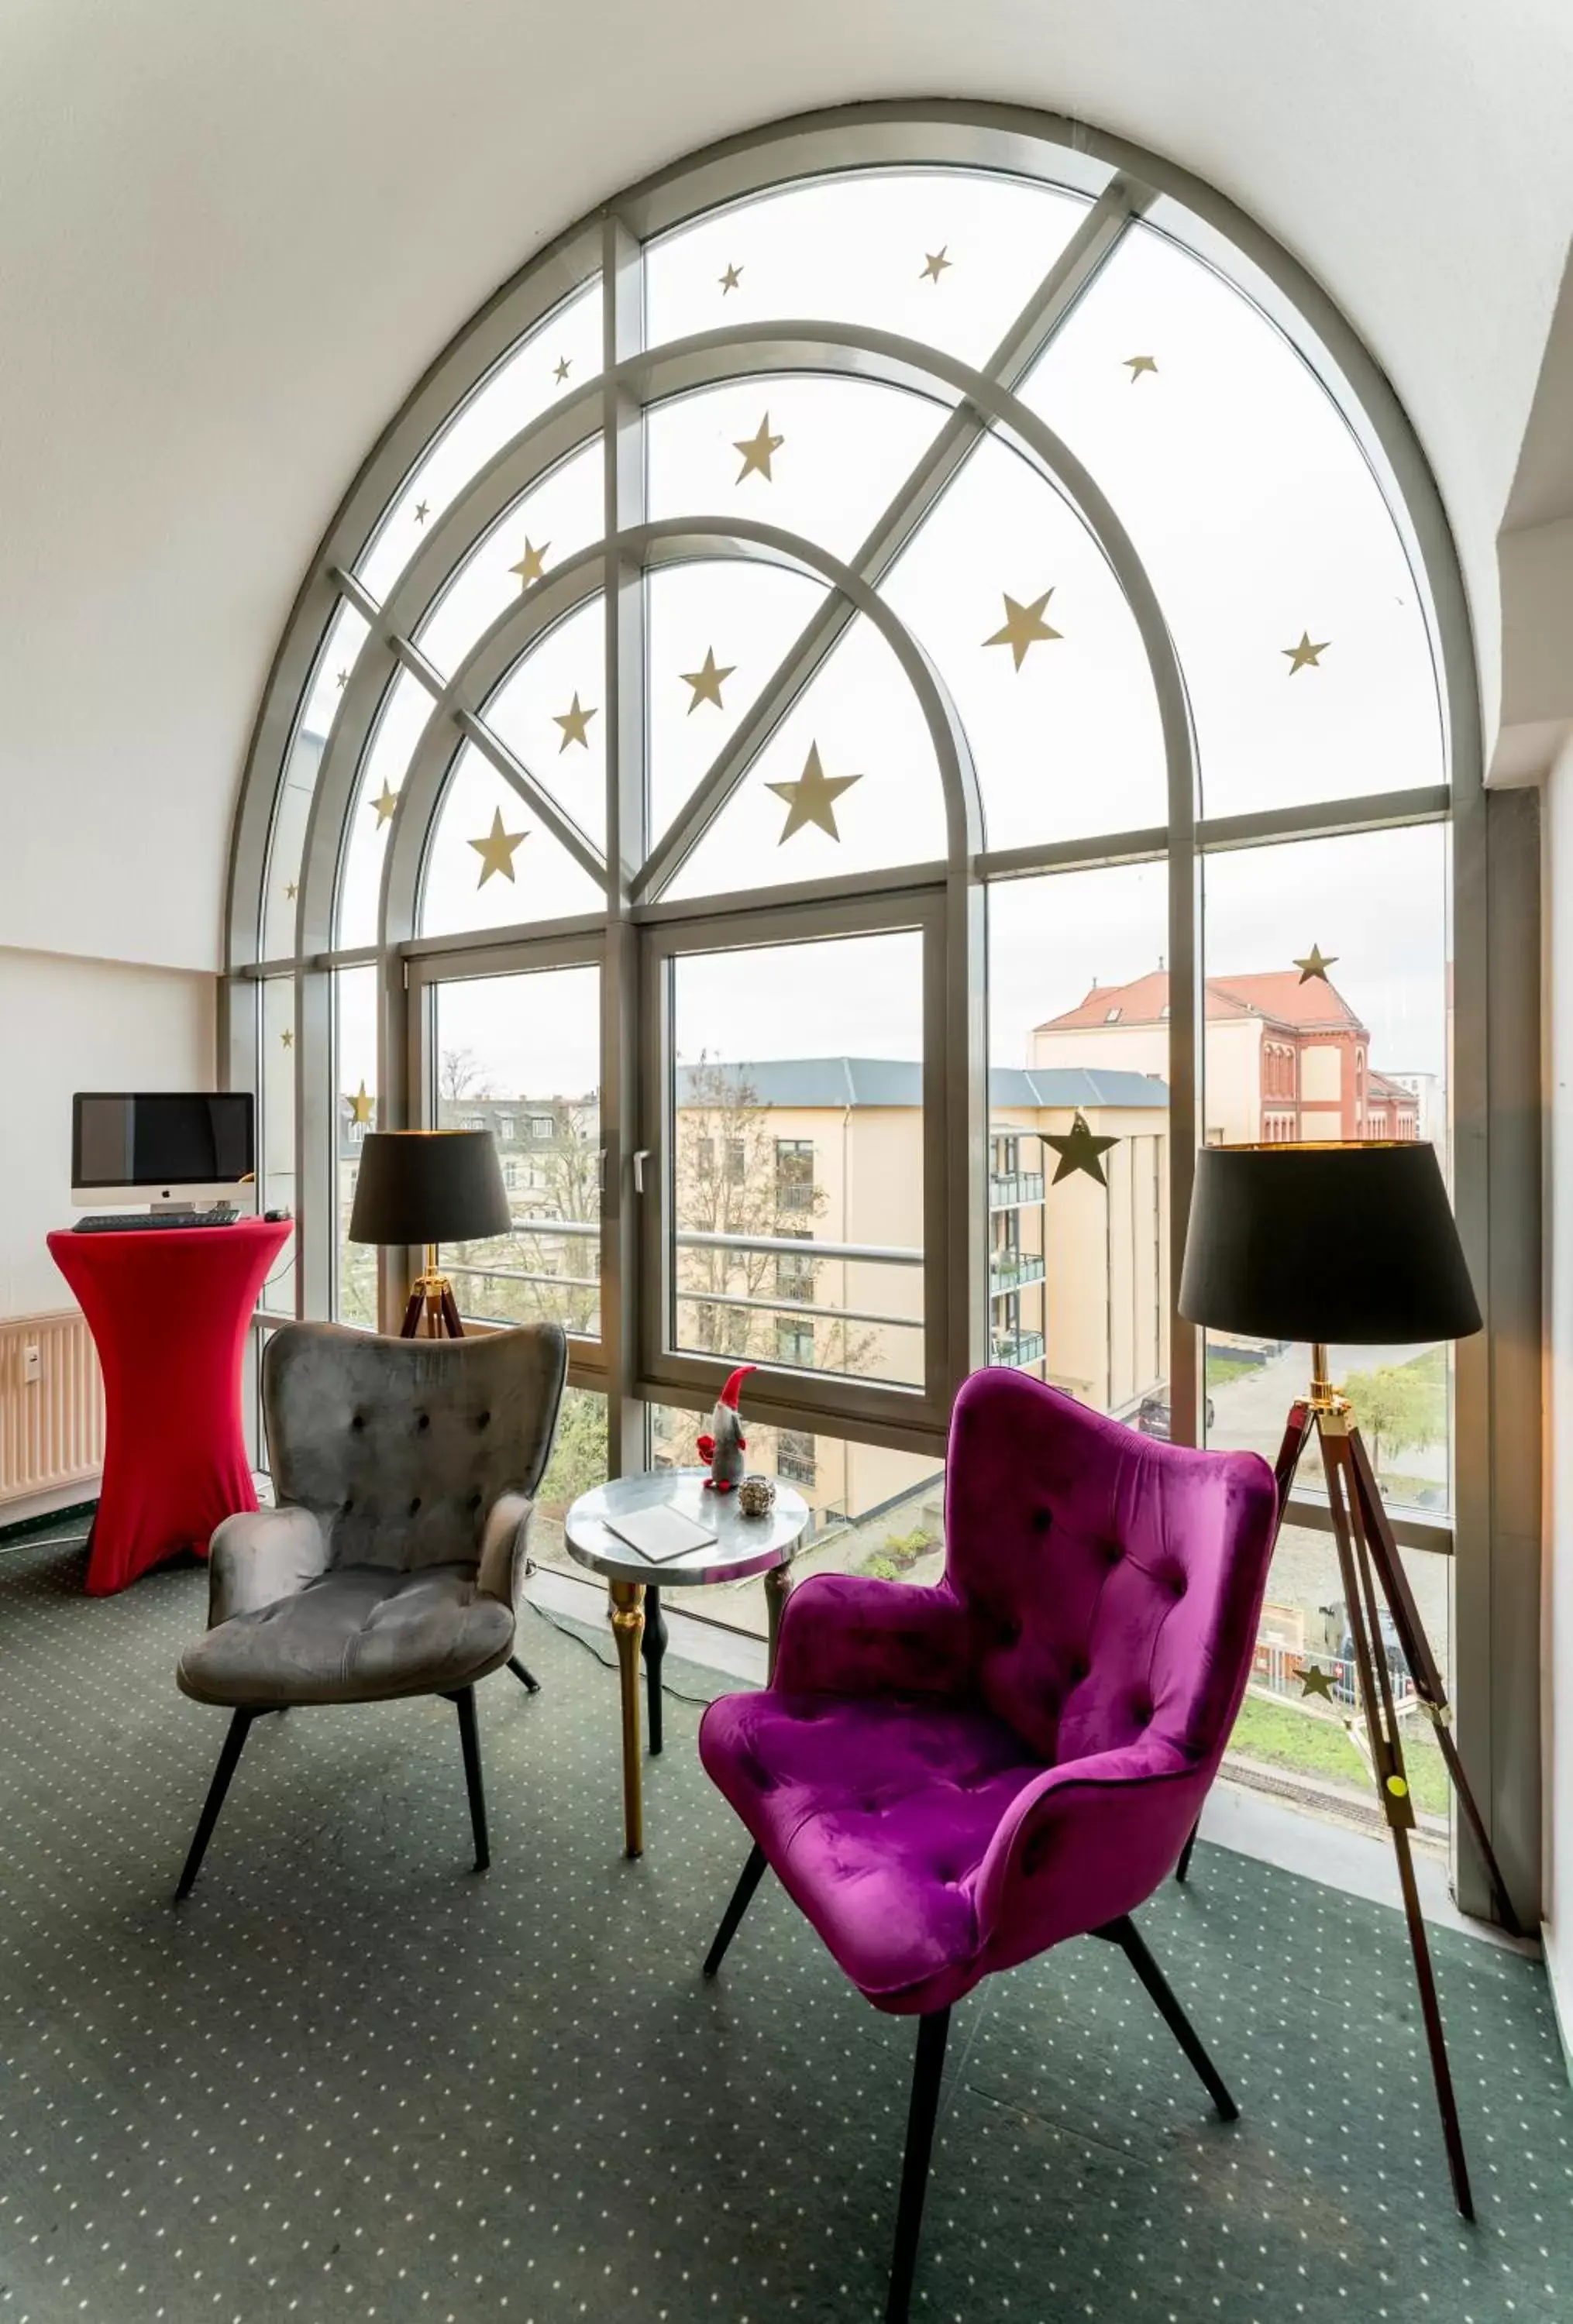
pixel 884 690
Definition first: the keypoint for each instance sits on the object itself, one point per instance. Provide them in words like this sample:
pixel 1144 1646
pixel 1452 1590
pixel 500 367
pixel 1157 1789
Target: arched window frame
pixel 1121 183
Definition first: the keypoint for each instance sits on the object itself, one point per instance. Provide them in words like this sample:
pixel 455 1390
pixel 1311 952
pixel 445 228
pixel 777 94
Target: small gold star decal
pixel 1137 364
pixel 382 807
pixel 812 798
pixel 532 564
pixel 288 1037
pixel 342 681
pixel 292 890
pixel 422 510
pixel 360 1106
pixel 573 722
pixel 935 263
pixel 706 682
pixel 498 849
pixel 1078 1150
pixel 560 369
pixel 729 280
pixel 1304 656
pixel 1024 626
pixel 1316 963
pixel 756 451
pixel 1313 1681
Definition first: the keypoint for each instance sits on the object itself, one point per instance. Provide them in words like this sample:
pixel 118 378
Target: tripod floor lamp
pixel 430 1186
pixel 1351 1244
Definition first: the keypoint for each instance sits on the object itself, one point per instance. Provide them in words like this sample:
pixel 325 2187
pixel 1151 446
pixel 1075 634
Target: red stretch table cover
pixel 168 1310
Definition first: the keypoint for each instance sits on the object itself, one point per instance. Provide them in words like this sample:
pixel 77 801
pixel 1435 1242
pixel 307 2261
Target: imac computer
pixel 172 1151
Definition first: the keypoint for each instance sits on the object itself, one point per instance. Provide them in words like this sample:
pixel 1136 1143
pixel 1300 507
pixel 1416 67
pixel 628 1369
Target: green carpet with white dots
pixel 349 2079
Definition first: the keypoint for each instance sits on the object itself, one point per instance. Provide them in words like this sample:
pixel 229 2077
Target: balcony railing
pixel 1012 1190
pixel 1008 1270
pixel 1017 1348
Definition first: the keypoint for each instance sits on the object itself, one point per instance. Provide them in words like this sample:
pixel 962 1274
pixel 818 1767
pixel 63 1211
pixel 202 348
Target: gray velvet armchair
pixel 404 1472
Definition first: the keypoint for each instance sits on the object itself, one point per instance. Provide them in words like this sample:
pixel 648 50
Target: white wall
pixel 1557 1634
pixel 67 1024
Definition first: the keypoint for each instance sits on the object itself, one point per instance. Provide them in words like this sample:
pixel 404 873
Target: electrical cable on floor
pixel 583 1637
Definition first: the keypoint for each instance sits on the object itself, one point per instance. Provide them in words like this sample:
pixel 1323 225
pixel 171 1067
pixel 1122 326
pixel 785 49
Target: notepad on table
pixel 660 1533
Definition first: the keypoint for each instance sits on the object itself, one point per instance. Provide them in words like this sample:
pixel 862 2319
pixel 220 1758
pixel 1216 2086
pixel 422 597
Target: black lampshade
pixel 1326 1242
pixel 440 1186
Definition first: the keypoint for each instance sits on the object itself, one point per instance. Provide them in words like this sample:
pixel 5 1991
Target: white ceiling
pixel 233 232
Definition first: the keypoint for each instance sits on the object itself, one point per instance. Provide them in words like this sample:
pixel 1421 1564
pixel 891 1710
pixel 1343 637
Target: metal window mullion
pixel 627 1218
pixel 919 494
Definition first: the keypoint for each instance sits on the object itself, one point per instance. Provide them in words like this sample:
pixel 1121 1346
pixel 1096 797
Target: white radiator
pixel 51 1405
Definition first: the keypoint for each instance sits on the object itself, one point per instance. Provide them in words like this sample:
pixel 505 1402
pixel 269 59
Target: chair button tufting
pixel 414 1504
pixel 357 1420
pixel 474 1500
pixel 1042 1519
pixel 422 1420
pixel 483 1419
pixel 1113 1551
pixel 1178 1584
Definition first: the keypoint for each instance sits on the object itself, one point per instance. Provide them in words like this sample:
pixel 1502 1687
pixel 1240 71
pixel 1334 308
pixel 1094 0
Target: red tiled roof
pixel 1377 1085
pixel 1276 993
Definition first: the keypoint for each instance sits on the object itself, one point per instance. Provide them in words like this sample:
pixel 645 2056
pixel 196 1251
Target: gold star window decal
pixel 498 849
pixel 291 890
pixel 383 806
pixel 288 1037
pixel 532 564
pixel 360 1107
pixel 562 369
pixel 935 263
pixel 573 722
pixel 1024 627
pixel 812 798
pixel 422 510
pixel 706 682
pixel 1313 1681
pixel 756 451
pixel 1316 963
pixel 730 278
pixel 1137 364
pixel 1304 656
pixel 342 681
pixel 1078 1150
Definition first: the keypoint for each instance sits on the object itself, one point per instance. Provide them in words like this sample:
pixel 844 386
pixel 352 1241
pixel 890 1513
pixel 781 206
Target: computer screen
pixel 162 1137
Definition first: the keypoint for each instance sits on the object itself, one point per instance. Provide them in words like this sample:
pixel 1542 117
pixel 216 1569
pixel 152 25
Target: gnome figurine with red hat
pixel 725 1444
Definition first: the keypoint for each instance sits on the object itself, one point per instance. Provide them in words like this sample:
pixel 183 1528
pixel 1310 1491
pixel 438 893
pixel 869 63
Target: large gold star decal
pixel 422 510
pixel 729 281
pixel 1024 626
pixel 706 682
pixel 812 798
pixel 498 849
pixel 756 451
pixel 1304 656
pixel 935 263
pixel 360 1107
pixel 562 369
pixel 383 805
pixel 342 681
pixel 573 722
pixel 1137 364
pixel 291 890
pixel 1316 963
pixel 532 564
pixel 288 1037
pixel 1313 1681
pixel 1078 1150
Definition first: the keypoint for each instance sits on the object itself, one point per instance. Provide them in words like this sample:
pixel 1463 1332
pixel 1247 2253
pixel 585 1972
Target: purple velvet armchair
pixel 947 1781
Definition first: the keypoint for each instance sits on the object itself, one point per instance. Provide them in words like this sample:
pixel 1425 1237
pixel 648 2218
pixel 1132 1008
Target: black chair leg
pixel 469 1737
pixel 228 1760
pixel 753 1874
pixel 1126 1935
pixel 526 1678
pixel 1182 1869
pixel 920 2118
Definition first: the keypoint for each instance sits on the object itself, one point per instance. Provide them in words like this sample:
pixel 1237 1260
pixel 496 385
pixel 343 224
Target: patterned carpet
pixel 350 2080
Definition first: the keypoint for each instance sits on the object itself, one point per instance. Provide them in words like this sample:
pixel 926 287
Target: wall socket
pixel 32 1364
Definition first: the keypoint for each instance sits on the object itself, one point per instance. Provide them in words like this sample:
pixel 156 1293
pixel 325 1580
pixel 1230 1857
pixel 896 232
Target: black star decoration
pixel 1078 1150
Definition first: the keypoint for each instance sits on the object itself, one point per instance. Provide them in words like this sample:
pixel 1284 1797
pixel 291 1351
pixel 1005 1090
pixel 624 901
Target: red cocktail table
pixel 168 1309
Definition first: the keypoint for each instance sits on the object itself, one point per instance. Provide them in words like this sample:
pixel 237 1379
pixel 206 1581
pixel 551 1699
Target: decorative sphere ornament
pixel 756 1496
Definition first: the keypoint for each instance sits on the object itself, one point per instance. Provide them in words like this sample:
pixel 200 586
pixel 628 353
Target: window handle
pixel 641 1158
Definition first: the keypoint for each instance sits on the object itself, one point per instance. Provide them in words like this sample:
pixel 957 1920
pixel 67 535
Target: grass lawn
pixel 1282 1737
pixel 1222 1367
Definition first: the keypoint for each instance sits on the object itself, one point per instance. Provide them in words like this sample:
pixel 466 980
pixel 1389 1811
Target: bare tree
pixel 459 1075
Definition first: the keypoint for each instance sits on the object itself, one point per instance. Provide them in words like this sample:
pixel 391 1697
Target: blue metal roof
pixel 818 1082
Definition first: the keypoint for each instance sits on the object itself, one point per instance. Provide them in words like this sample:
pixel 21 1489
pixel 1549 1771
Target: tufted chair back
pixel 400 1447
pixel 1113 1583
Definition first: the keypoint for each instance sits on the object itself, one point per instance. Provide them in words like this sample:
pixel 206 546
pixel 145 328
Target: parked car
pixel 1153 1416
pixel 1346 1685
